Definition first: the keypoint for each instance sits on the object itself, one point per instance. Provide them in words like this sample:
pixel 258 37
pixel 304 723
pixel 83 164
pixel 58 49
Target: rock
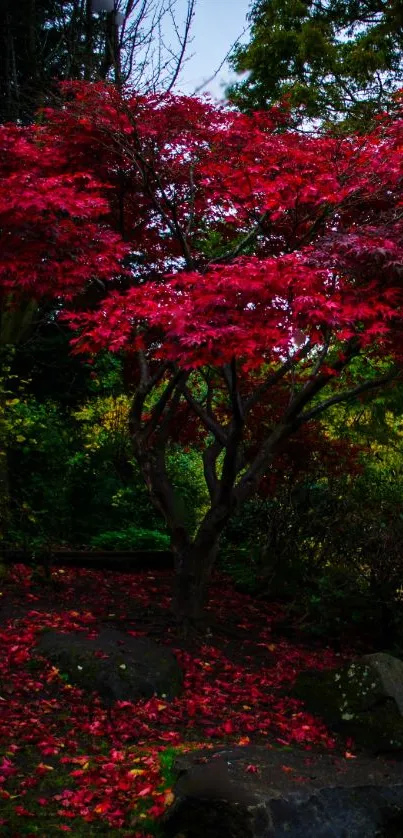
pixel 292 794
pixel 116 665
pixel 363 700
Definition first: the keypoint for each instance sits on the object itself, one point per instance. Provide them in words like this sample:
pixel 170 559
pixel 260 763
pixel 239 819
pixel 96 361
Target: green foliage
pixel 167 759
pixel 337 61
pixel 331 550
pixel 72 477
pixel 242 565
pixel 45 360
pixel 131 538
pixel 243 542
pixel 69 479
pixel 38 474
pixel 338 605
pixel 185 469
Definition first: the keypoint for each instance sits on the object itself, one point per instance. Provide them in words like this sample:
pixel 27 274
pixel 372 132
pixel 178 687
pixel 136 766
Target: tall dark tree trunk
pixel 10 91
pixel 194 559
pixel 192 577
pixel 4 491
pixel 4 471
pixel 112 58
pixel 194 564
pixel 88 40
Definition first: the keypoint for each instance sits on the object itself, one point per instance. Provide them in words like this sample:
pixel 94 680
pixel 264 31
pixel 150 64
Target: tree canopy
pixel 334 60
pixel 238 350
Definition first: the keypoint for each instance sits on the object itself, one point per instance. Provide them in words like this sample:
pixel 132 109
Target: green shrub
pixel 241 564
pixel 131 538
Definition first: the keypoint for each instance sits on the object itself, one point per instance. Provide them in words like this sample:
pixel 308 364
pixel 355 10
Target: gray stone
pixel 363 699
pixel 390 673
pixel 293 794
pixel 114 664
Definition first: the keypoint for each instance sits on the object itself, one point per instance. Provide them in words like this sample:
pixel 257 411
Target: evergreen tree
pixel 338 59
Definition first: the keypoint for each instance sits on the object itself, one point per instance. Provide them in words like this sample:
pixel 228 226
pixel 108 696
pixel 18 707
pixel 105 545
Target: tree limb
pixel 210 456
pixel 314 386
pixel 232 254
pixel 366 387
pixel 211 424
pixel 275 377
pixel 173 386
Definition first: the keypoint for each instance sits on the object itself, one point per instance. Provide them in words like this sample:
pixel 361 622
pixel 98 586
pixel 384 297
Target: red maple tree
pixel 52 237
pixel 263 264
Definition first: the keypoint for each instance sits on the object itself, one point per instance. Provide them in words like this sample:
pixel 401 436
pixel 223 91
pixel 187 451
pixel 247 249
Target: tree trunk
pixel 193 568
pixel 4 428
pixel 194 564
pixel 4 494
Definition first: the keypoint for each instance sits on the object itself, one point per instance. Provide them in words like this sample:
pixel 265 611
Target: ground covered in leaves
pixel 67 765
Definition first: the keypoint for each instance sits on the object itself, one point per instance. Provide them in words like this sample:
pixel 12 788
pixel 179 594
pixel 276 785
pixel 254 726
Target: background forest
pixel 201 423
pixel 324 532
pixel 327 541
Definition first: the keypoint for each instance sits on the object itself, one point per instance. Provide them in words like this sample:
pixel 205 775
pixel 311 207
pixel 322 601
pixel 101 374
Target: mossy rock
pixel 115 665
pixel 363 700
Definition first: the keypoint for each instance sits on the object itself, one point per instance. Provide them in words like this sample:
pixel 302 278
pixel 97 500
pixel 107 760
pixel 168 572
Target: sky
pixel 216 25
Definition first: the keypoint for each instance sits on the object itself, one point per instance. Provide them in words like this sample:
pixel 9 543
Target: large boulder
pixel 115 665
pixel 258 792
pixel 363 699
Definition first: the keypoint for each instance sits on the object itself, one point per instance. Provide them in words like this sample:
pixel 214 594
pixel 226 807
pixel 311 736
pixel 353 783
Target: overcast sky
pixel 216 25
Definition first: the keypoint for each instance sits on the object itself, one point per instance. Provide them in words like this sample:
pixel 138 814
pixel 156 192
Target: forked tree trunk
pixel 194 564
pixel 194 560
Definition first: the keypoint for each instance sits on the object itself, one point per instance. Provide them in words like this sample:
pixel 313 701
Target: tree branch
pixel 161 435
pixel 250 480
pixel 275 377
pixel 232 254
pixel 183 41
pixel 231 380
pixel 147 383
pixel 210 456
pixel 174 386
pixel 314 386
pixel 211 424
pixel 322 355
pixel 169 215
pixel 366 387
